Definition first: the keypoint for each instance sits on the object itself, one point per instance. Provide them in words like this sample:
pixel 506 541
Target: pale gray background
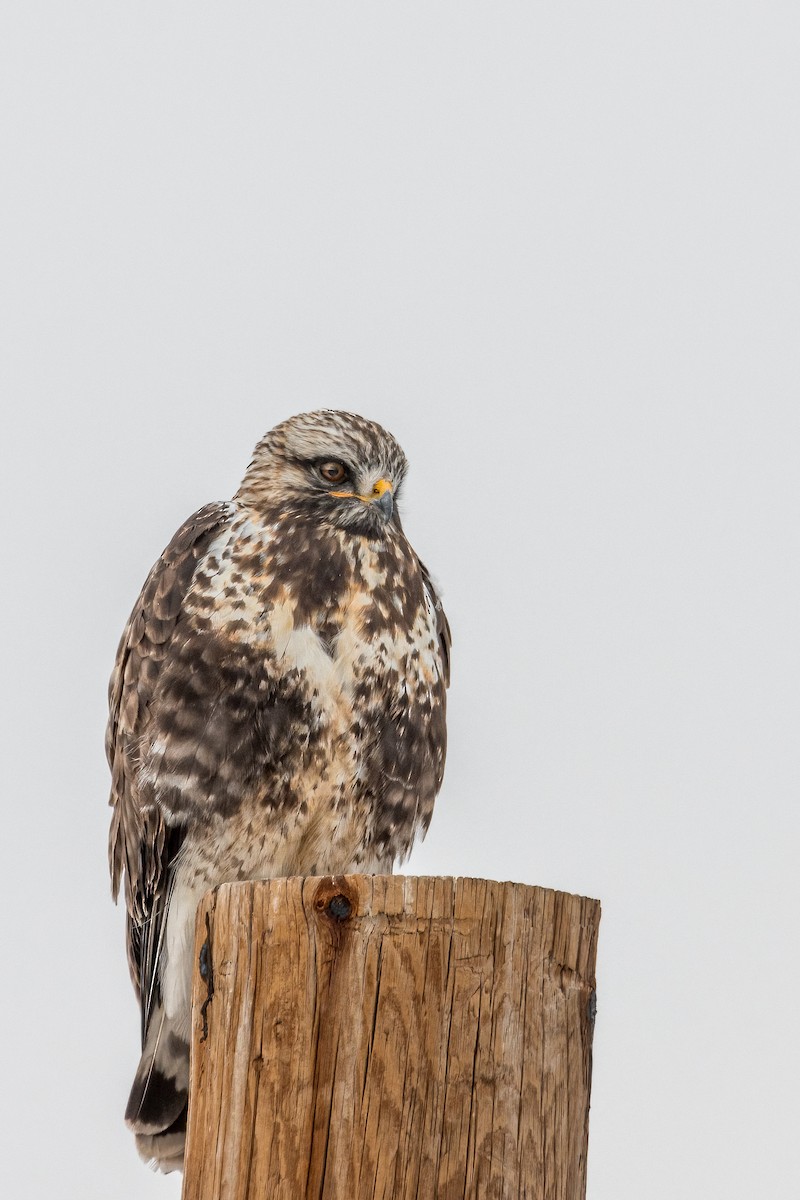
pixel 554 248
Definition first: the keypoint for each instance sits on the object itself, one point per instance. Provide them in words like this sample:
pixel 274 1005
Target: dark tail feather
pixel 156 1109
pixel 164 1151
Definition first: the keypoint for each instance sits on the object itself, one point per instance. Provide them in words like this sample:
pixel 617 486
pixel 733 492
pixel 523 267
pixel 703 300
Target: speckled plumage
pixel 277 708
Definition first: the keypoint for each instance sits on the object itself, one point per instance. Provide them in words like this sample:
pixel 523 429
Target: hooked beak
pixel 381 497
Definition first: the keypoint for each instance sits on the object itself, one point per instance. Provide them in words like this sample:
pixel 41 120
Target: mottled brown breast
pixel 308 676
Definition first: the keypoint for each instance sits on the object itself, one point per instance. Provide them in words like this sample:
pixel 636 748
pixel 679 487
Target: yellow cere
pixel 380 489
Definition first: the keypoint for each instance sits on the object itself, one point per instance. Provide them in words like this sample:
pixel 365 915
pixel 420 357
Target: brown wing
pixel 404 767
pixel 140 844
pixel 442 623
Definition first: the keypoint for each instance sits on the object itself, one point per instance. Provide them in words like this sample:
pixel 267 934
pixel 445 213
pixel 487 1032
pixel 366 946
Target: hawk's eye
pixel 333 472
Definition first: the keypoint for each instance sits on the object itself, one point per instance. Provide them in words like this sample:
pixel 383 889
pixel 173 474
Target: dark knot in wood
pixel 336 899
pixel 339 907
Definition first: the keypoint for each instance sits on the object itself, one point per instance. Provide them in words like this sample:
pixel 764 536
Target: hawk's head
pixel 334 466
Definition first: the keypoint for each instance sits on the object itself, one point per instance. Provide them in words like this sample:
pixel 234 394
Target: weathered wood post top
pixel 390 1037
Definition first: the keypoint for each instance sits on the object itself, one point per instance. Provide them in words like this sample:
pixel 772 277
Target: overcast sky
pixel 554 248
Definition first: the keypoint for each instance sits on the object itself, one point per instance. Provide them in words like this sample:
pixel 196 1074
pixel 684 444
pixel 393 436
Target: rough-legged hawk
pixel 277 707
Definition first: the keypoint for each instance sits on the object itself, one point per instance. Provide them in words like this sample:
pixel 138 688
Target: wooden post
pixel 386 1038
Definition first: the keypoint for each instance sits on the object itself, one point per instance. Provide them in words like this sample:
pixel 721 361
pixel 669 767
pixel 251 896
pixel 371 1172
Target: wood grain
pixel 385 1037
